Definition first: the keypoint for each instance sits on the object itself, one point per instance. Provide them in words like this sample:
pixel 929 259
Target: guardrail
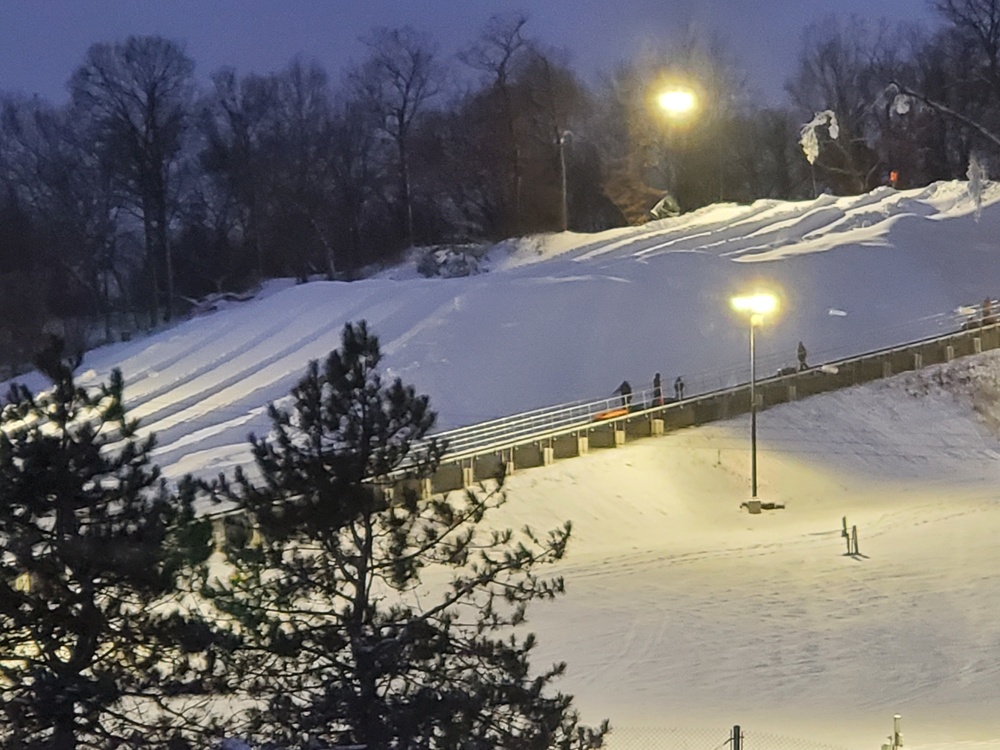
pixel 465 444
pixel 533 438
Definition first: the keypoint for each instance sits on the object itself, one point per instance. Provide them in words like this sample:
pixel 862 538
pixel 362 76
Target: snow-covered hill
pixel 682 609
pixel 564 317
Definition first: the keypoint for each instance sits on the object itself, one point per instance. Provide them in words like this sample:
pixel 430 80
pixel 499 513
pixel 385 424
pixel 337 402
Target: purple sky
pixel 42 41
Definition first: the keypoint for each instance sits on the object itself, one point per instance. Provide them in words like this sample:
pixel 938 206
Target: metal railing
pixel 540 423
pixel 561 419
pixel 497 436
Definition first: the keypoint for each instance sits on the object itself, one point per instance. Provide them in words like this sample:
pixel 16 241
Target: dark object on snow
pixel 667 207
pixel 764 506
pixel 802 356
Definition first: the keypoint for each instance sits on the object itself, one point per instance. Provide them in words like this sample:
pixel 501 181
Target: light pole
pixel 561 136
pixel 757 306
pixel 679 103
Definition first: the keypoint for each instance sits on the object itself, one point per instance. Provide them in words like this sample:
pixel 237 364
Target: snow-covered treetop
pixel 810 141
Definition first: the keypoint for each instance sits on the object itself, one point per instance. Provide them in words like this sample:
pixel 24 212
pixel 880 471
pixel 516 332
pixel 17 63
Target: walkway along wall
pixel 556 444
pixel 544 448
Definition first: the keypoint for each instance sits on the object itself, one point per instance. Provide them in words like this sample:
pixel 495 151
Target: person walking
pixel 679 388
pixel 802 356
pixel 657 391
pixel 626 392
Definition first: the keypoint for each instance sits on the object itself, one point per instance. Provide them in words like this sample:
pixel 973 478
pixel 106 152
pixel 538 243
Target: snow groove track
pixel 253 360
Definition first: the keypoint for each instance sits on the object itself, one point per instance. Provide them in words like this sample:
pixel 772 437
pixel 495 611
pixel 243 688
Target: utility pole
pixel 564 205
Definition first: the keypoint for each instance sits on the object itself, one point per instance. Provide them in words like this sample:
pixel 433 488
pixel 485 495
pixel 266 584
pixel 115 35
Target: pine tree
pixel 92 654
pixel 384 622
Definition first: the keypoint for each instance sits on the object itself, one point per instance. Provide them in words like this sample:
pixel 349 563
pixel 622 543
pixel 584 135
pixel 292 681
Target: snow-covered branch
pixel 809 139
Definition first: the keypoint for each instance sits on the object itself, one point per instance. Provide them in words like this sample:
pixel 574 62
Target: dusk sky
pixel 43 41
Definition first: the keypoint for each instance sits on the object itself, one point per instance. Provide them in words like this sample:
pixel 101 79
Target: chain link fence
pixel 660 738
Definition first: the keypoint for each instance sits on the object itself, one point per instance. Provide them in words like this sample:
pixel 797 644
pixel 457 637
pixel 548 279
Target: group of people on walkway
pixel 625 391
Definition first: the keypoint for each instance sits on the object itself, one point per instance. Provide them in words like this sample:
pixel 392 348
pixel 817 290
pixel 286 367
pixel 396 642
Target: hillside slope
pixel 567 317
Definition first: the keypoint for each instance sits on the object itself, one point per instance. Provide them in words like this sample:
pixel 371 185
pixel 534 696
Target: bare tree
pixel 552 99
pixel 764 155
pixel 233 121
pixel 967 52
pixel 497 52
pixel 137 96
pixel 65 187
pixel 400 76
pixel 844 67
pixel 298 140
pixel 23 312
pixel 353 163
pixel 979 22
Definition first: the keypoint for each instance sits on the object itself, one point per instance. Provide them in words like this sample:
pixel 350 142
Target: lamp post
pixel 757 306
pixel 561 136
pixel 679 103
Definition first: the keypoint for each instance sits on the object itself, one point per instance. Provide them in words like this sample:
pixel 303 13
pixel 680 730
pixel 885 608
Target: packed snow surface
pixel 683 610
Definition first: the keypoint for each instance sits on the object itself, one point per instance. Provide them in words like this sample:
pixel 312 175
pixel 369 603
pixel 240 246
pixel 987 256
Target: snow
pixel 683 610
pixel 902 104
pixel 693 609
pixel 809 140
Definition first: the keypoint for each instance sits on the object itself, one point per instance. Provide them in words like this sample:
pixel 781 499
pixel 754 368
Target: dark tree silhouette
pixel 399 78
pixel 94 650
pixel 137 95
pixel 498 52
pixel 384 620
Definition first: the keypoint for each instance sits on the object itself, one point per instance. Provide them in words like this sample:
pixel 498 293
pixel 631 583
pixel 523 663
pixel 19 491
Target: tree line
pixel 329 613
pixel 146 190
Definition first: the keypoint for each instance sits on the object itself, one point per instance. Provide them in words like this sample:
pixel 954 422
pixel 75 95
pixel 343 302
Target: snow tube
pixel 610 414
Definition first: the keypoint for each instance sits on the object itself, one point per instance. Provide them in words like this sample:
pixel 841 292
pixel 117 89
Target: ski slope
pixel 681 609
pixel 564 317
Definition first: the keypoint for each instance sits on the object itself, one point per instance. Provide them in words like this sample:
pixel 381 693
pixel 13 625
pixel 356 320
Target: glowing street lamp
pixel 756 306
pixel 678 102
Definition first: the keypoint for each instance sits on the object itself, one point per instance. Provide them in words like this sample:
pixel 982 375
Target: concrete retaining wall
pixel 715 406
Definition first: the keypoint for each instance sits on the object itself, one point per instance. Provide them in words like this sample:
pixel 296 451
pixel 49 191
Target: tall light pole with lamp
pixel 679 104
pixel 756 306
pixel 561 138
